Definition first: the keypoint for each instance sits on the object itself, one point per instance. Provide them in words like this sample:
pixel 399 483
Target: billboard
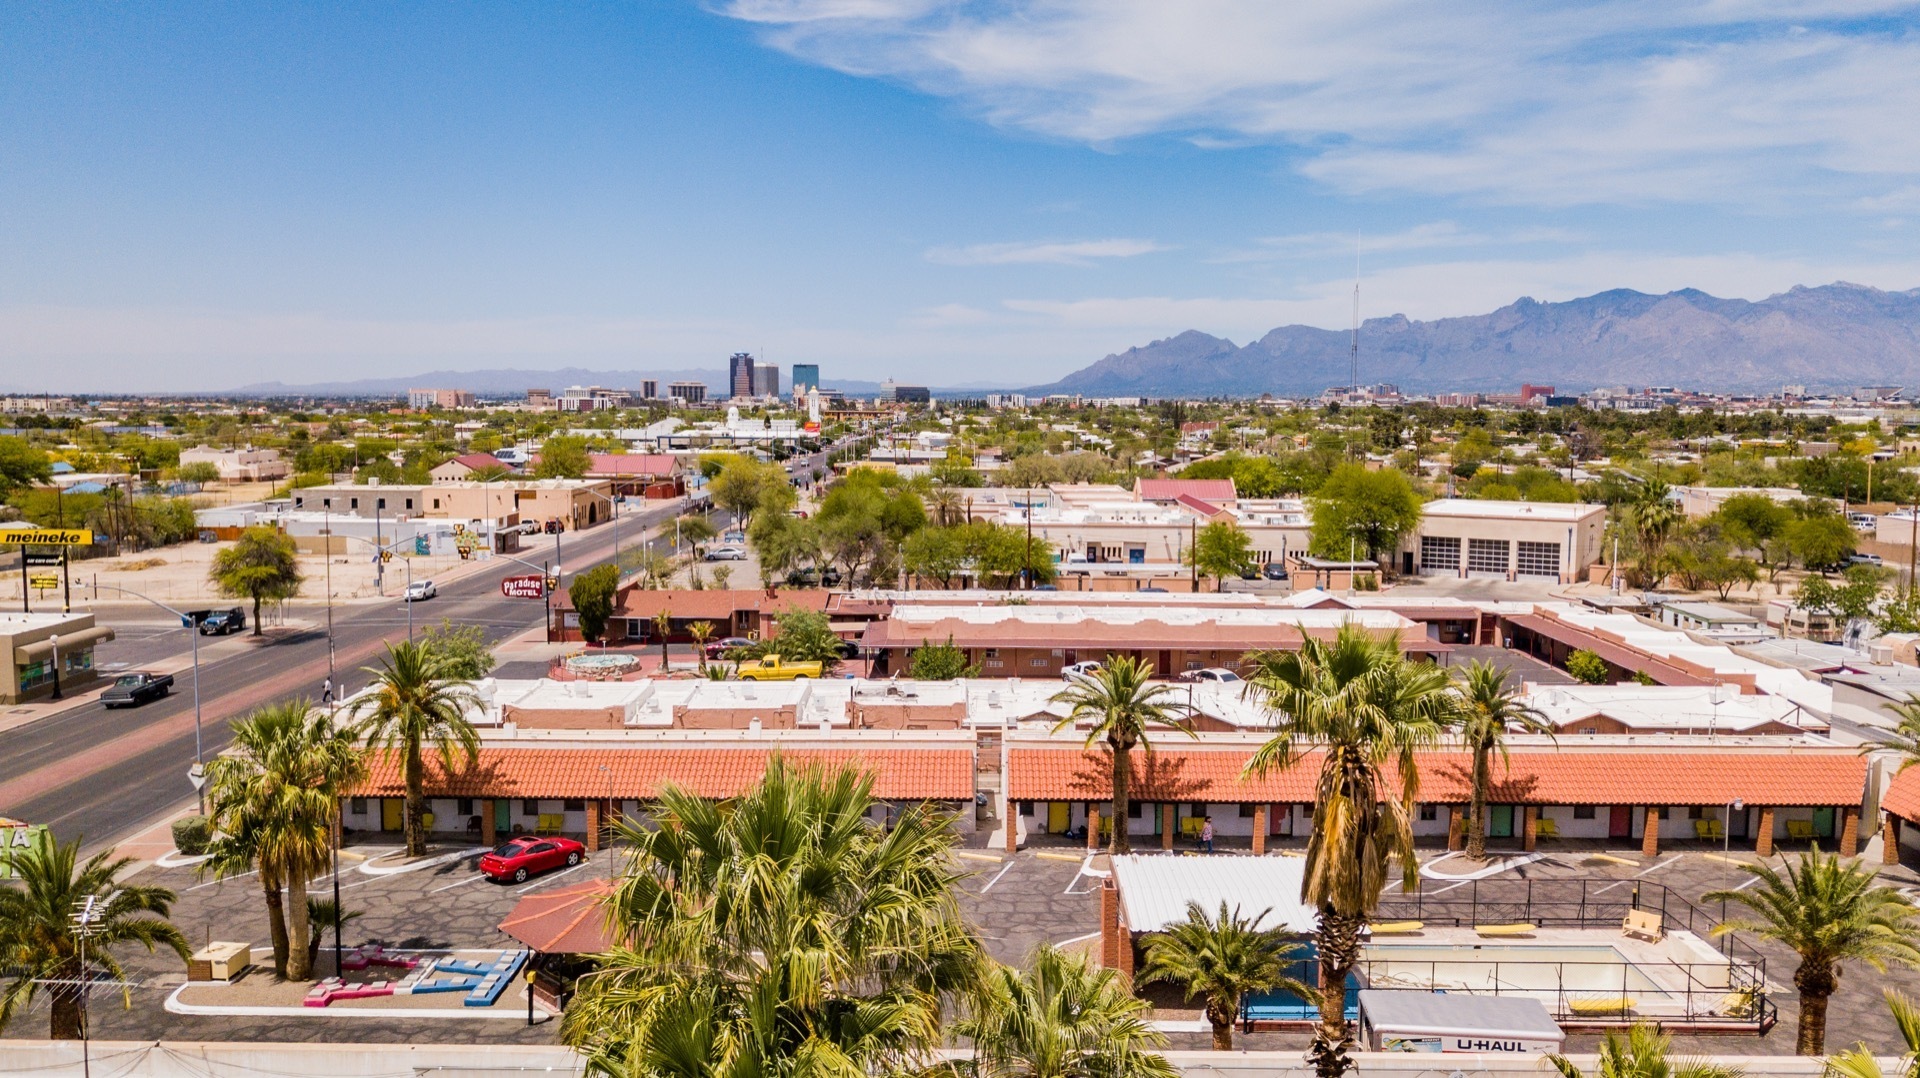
pixel 524 587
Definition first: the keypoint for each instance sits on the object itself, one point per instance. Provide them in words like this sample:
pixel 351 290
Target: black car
pixel 132 690
pixel 1274 571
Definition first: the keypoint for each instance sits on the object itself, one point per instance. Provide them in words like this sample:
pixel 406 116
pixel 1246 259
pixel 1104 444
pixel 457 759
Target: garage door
pixel 1537 559
pixel 1439 554
pixel 1487 556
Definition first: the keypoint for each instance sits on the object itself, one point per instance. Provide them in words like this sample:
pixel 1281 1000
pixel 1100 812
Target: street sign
pixel 44 581
pixel 47 536
pixel 523 587
pixel 197 775
pixel 43 558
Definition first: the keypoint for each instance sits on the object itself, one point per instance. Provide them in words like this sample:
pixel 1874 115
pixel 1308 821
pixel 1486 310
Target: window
pixel 1589 729
pixel 1537 559
pixel 1429 812
pixel 357 806
pixel 379 503
pixel 993 653
pixel 994 664
pixel 1487 556
pixel 1193 664
pixel 1038 661
pixel 1694 812
pixel 463 806
pixel 574 804
pixel 1439 553
pixel 1246 811
pixel 436 503
pixel 1583 812
pixel 353 503
pixel 1026 808
pixel 1133 810
pixel 529 807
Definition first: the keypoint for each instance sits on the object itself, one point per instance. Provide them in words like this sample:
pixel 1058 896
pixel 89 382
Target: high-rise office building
pixel 687 392
pixel 649 388
pixel 740 374
pixel 805 376
pixel 766 380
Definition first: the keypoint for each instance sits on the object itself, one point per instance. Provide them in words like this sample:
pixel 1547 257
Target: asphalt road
pixel 102 774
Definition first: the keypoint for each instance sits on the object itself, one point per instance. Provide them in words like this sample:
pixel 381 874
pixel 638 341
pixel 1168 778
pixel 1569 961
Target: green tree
pixel 783 933
pixel 1374 508
pixel 1489 711
pixel 1358 704
pixel 1223 960
pixel 1821 541
pixel 940 662
pixel 200 471
pixel 1061 1017
pixel 747 488
pixel 1588 668
pixel 1860 1062
pixel 39 941
pixel 701 631
pixel 1644 1052
pixel 1752 521
pixel 592 594
pixel 416 702
pixel 1121 707
pixel 261 565
pixel 1652 517
pixel 321 914
pixel 935 554
pixel 465 647
pixel 802 636
pixel 22 465
pixel 695 530
pixel 1828 912
pixel 1221 550
pixel 564 456
pixel 275 797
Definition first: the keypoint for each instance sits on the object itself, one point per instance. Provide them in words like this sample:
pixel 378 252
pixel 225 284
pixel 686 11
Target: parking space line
pixel 996 877
pixel 458 883
pixel 549 879
pixel 220 880
pixel 1642 872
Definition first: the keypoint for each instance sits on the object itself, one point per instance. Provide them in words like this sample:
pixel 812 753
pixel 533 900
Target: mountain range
pixel 1837 335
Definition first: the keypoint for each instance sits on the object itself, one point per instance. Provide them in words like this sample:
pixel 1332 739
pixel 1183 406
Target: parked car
pixel 132 690
pixel 717 649
pixel 1153 591
pixel 774 668
pixel 418 590
pixel 220 622
pixel 726 553
pixel 1865 522
pixel 849 649
pixel 529 855
pixel 1275 571
pixel 1080 669
pixel 1211 673
pixel 1863 559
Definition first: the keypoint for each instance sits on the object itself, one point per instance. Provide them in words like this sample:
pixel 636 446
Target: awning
pixel 1619 655
pixel 568 921
pixel 69 642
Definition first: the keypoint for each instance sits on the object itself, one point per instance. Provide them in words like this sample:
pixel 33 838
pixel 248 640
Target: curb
pixel 370 868
pixel 175 1005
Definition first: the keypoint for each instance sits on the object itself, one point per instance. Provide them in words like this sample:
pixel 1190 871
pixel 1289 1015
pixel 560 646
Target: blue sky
pixel 196 196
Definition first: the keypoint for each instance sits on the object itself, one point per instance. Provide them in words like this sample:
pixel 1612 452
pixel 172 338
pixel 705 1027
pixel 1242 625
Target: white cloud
pixel 1705 101
pixel 1074 253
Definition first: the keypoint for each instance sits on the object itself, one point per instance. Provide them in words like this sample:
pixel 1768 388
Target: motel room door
pixel 392 814
pixel 1058 815
pixel 1620 821
pixel 1499 821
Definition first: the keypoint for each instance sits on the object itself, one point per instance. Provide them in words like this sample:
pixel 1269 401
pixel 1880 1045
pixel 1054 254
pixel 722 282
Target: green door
pixel 1499 821
pixel 502 816
pixel 1823 822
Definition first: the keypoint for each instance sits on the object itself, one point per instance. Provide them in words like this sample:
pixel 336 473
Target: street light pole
pixel 193 635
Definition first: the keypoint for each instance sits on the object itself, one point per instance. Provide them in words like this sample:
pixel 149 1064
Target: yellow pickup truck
pixel 774 668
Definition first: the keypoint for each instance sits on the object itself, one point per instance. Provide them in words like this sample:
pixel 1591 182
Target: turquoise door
pixel 1823 822
pixel 502 816
pixel 1499 821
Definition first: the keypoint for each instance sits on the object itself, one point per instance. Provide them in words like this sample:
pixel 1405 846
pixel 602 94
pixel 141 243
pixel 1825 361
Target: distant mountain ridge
pixel 1834 335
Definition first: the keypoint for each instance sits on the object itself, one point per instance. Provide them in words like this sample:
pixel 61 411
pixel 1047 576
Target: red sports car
pixel 530 855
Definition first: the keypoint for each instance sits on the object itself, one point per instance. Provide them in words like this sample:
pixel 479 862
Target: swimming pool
pixel 1504 967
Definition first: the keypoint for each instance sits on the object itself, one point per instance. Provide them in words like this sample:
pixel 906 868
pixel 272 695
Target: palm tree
pixel 413 703
pixel 40 944
pixel 1121 708
pixel 321 914
pixel 701 631
pixel 1363 709
pixel 1828 912
pixel 1061 1017
pixel 944 504
pixel 1224 959
pixel 662 624
pixel 1489 712
pixel 1860 1062
pixel 1643 1053
pixel 1652 516
pixel 276 798
pixel 1906 735
pixel 784 931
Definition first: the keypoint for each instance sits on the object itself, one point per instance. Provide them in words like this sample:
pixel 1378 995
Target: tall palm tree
pixel 701 631
pixel 784 931
pixel 944 504
pixel 39 943
pixel 1121 708
pixel 1224 959
pixel 276 797
pixel 1644 1052
pixel 1489 711
pixel 1363 710
pixel 1860 1062
pixel 1828 912
pixel 1061 1017
pixel 663 624
pixel 1652 516
pixel 415 703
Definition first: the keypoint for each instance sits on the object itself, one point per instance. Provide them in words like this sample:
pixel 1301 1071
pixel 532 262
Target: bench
pixel 1643 924
pixel 1397 928
pixel 1522 929
pixel 1603 1005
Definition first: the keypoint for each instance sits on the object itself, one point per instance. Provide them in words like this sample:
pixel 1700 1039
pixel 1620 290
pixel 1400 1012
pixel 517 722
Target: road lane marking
pixel 544 880
pixel 458 883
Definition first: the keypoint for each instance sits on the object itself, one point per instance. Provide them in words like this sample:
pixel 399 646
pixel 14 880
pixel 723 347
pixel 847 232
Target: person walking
pixel 1206 833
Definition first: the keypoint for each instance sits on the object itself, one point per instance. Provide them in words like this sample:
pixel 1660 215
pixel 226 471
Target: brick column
pixel 1890 840
pixel 1116 943
pixel 1169 814
pixel 1093 826
pixel 1456 829
pixel 593 825
pixel 1650 837
pixel 1530 832
pixel 489 835
pixel 1763 842
pixel 1012 823
pixel 1260 828
pixel 1849 831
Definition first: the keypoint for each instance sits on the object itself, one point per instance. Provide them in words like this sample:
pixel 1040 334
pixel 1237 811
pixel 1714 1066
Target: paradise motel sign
pixel 15 839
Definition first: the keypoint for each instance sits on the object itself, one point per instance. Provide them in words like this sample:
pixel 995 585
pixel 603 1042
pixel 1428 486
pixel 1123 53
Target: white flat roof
pixel 1566 512
pixel 1155 889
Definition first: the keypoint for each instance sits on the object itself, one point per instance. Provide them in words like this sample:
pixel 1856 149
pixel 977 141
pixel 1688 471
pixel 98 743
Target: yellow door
pixel 1057 817
pixel 392 814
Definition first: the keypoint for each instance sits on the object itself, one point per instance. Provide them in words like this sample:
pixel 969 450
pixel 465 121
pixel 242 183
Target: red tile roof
pixel 1903 795
pixel 1205 509
pixel 1097 637
pixel 476 461
pixel 571 920
pixel 1166 490
pixel 1535 778
pixel 625 465
pixel 641 773
pixel 715 602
